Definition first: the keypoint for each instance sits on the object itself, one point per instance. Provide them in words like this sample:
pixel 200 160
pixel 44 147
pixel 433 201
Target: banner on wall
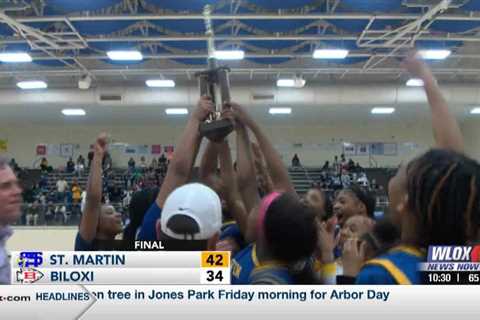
pixel 156 148
pixel 349 149
pixel 41 150
pixel 53 150
pixel 143 149
pixel 66 150
pixel 3 145
pixel 130 149
pixel 169 151
pixel 362 149
pixel 377 149
pixel 390 149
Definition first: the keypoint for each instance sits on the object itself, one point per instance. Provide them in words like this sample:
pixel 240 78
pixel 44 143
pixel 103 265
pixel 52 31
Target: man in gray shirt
pixel 10 202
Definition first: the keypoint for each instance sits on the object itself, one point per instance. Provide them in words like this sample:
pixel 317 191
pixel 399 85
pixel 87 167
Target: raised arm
pixel 276 168
pixel 186 151
pixel 246 177
pixel 209 163
pixel 445 127
pixel 93 201
pixel 232 196
pixel 262 171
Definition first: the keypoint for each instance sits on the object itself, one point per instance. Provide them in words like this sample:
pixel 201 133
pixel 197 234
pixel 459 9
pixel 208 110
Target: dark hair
pixel 384 236
pixel 443 194
pixel 290 229
pixel 182 224
pixel 139 204
pixel 367 198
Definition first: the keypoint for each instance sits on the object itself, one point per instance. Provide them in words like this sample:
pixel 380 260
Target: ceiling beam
pixel 247 55
pixel 293 37
pixel 246 71
pixel 324 16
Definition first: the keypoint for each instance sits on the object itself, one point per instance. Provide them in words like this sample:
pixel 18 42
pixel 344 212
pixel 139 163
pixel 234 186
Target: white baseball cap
pixel 198 202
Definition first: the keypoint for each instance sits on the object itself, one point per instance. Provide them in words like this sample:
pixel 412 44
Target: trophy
pixel 214 83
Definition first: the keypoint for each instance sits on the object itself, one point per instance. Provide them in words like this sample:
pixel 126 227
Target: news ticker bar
pixel 108 267
pixel 198 302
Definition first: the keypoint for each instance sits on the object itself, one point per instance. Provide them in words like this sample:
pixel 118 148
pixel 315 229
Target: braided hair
pixel 444 196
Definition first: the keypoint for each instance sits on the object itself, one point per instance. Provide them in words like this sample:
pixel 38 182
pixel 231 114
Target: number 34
pixel 212 275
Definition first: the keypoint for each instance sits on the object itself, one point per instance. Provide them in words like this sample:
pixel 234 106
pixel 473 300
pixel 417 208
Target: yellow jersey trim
pixel 395 272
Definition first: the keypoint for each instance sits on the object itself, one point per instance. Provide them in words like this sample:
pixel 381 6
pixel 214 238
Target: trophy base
pixel 217 130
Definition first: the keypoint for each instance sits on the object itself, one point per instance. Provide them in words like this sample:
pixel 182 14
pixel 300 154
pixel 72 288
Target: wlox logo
pixel 453 254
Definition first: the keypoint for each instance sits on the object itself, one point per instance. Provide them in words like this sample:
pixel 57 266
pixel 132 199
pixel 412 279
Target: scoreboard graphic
pixel 107 267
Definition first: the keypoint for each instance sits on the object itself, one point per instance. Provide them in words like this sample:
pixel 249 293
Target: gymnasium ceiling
pixel 68 39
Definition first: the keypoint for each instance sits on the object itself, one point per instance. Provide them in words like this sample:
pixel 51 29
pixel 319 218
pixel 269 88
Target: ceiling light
pixel 176 111
pixel 131 55
pixel 382 110
pixel 160 83
pixel 434 54
pixel 292 83
pixel 414 82
pixel 475 110
pixel 330 54
pixel 229 55
pixel 73 112
pixel 33 84
pixel 15 57
pixel 280 110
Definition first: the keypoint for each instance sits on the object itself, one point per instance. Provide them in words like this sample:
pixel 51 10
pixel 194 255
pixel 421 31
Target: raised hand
pixel 204 108
pixel 241 115
pixel 325 242
pixel 415 65
pixel 353 256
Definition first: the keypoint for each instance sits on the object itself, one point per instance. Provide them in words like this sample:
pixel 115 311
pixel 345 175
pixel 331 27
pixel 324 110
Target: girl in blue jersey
pixel 434 199
pixel 281 228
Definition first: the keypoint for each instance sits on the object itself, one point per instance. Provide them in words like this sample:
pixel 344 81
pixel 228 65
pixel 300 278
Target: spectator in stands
pixel 131 165
pixel 44 164
pixel 62 186
pixel 163 164
pixel 70 165
pixel 345 178
pixel 336 165
pixel 107 162
pixel 43 182
pixel 358 167
pixel 81 160
pixel 33 213
pixel 79 168
pixel 326 166
pixel 99 223
pixel 350 165
pixel 343 163
pixel 295 161
pixel 362 181
pixel 154 164
pixel 76 195
pixel 90 158
pixel 10 204
pixel 143 163
pixel 49 213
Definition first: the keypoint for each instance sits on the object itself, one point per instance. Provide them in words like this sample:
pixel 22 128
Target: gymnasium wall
pixel 319 143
